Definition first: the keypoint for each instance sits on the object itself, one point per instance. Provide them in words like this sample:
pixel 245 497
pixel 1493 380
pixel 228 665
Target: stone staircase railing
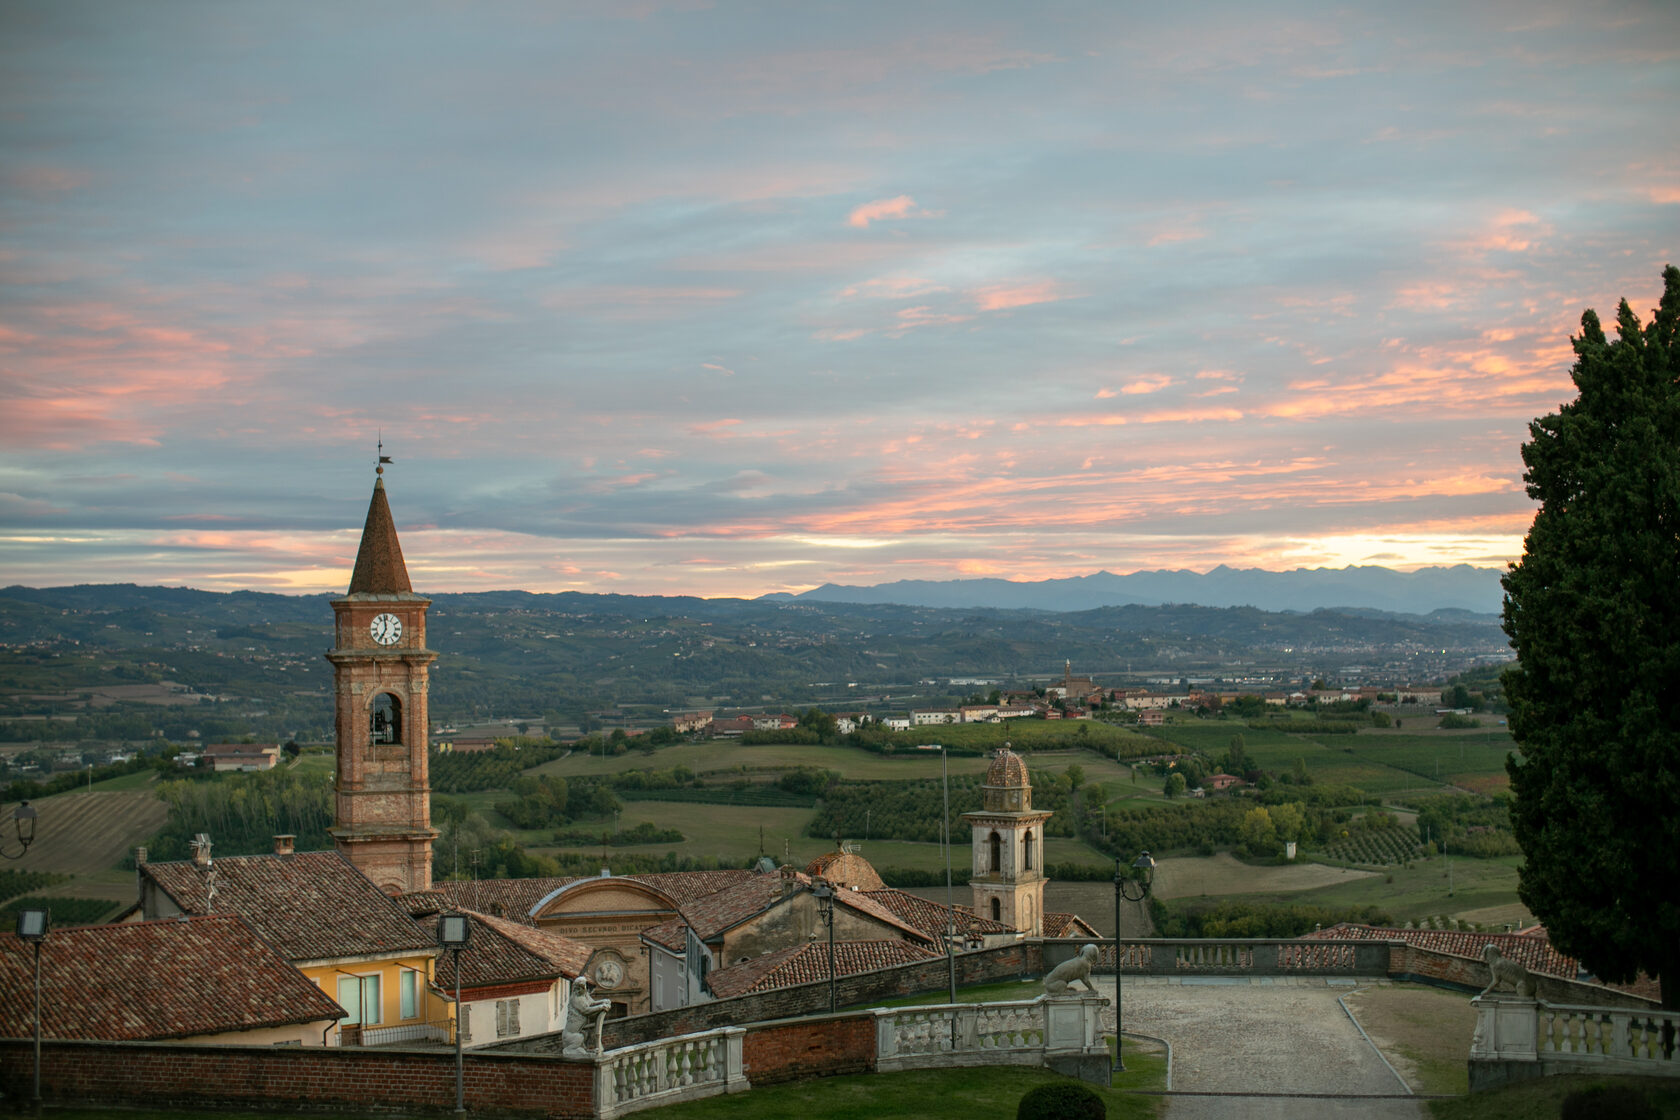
pixel 1517 1039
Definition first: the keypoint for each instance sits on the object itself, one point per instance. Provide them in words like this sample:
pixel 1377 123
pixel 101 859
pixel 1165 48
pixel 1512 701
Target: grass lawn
pixel 1425 1032
pixel 1543 1098
pixel 960 1094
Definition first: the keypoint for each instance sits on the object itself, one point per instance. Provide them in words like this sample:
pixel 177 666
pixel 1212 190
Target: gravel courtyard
pixel 1272 1049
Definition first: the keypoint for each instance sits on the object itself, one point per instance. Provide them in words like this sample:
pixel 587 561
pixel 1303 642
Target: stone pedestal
pixel 1505 1047
pixel 1073 1040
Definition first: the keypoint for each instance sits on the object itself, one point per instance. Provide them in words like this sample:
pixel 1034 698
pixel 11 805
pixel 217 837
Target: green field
pixel 1411 894
pixel 715 758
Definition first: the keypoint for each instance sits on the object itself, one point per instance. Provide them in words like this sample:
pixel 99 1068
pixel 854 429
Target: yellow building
pixel 330 922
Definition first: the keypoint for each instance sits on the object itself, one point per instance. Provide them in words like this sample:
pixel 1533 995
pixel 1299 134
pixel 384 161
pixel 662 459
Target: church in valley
pixel 646 942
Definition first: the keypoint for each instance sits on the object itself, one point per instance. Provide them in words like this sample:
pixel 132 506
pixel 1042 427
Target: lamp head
pixel 454 931
pixel 1144 865
pixel 23 819
pixel 32 924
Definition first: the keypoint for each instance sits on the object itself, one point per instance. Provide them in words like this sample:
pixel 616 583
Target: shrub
pixel 1596 1101
pixel 1061 1102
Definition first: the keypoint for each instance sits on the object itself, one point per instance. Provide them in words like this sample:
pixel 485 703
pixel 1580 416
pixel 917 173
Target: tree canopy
pixel 1593 612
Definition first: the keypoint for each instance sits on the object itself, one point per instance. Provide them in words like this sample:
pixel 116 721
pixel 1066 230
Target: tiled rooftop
pixel 154 980
pixel 309 905
pixel 928 917
pixel 1529 948
pixel 1060 924
pixel 808 962
pixel 711 914
pixel 504 952
pixel 514 898
pixel 1534 954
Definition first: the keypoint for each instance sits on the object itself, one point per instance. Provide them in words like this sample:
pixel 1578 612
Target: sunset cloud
pixel 887 210
pixel 775 301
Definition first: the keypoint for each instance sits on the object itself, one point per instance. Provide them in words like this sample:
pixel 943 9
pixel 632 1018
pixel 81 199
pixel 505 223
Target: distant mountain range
pixel 1457 588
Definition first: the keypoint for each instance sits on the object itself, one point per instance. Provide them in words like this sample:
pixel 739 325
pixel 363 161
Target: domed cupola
pixel 1007 789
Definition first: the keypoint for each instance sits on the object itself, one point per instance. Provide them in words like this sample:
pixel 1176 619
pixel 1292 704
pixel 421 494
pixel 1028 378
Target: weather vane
pixel 379 467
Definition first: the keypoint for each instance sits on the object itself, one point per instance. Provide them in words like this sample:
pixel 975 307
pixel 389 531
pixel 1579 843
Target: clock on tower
pixel 382 813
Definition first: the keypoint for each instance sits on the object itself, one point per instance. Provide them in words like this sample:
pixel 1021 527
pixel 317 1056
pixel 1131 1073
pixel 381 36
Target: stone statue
pixel 579 1011
pixel 1503 970
pixel 1065 974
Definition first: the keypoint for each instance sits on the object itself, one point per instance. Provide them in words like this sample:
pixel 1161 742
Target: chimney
pixel 283 843
pixel 139 856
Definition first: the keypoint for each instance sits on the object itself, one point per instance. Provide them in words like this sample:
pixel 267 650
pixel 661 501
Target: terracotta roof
pixel 929 917
pixel 846 869
pixel 1058 924
pixel 508 898
pixel 721 910
pixel 1533 951
pixel 808 962
pixel 310 905
pixel 502 952
pixel 668 934
pixel 688 886
pixel 379 561
pixel 1533 954
pixel 514 898
pixel 154 980
pixel 865 903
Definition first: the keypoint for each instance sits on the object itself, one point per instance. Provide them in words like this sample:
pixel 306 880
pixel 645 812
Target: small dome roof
pixel 1007 769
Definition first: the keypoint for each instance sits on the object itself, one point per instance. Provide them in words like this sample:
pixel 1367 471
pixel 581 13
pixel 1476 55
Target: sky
pixel 733 298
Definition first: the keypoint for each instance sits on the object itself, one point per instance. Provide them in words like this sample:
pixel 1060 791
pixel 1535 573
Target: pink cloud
pixel 1104 394
pixel 1154 383
pixel 888 209
pixel 1001 297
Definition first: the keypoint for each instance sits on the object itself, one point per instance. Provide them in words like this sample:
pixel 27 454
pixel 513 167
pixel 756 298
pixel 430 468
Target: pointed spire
pixel 379 562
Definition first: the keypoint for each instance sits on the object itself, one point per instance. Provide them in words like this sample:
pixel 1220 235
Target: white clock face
pixel 386 629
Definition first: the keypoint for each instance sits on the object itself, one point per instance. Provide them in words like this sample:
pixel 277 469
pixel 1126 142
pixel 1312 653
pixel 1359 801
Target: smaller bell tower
pixel 1008 881
pixel 382 816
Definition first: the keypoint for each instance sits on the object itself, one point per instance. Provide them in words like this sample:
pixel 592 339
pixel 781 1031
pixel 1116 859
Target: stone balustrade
pixel 1062 1033
pixel 1518 1039
pixel 652 1074
pixel 1233 956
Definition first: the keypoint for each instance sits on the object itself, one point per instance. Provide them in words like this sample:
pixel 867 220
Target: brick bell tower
pixel 1008 881
pixel 382 813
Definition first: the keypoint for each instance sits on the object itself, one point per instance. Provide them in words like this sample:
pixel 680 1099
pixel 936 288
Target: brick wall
pixel 1471 975
pixel 1023 958
pixel 818 1047
pixel 178 1075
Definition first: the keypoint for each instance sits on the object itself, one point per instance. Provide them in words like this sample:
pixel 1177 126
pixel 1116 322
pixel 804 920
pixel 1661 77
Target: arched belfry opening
pixel 1027 852
pixel 996 848
pixel 385 719
pixel 997 910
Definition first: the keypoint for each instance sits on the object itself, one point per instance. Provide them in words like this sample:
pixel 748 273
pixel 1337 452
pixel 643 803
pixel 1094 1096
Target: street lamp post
pixel 23 823
pixel 945 835
pixel 454 931
pixel 825 910
pixel 1132 890
pixel 32 927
